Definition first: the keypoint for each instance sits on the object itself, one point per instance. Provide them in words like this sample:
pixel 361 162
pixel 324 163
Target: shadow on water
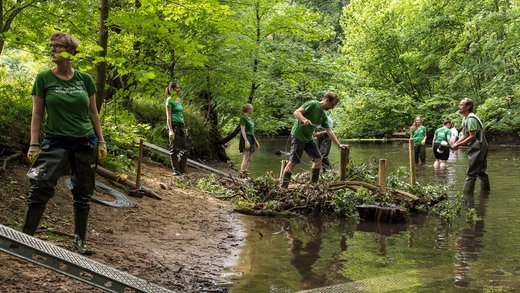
pixel 422 255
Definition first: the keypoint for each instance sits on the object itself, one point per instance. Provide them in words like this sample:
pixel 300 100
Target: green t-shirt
pixel 248 123
pixel 441 134
pixel 316 115
pixel 471 123
pixel 66 103
pixel 174 102
pixel 418 135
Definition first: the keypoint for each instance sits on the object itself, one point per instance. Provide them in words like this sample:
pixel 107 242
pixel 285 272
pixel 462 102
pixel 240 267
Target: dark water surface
pixel 421 255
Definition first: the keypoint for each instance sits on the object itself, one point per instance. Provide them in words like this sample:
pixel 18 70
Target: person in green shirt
pixel 440 145
pixel 248 142
pixel 179 148
pixel 418 133
pixel 73 140
pixel 474 136
pixel 310 115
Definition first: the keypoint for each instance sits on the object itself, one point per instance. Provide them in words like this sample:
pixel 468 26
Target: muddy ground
pixel 182 242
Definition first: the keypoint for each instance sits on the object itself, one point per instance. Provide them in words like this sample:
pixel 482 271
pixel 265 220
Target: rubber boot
pixel 469 185
pixel 32 219
pixel 315 175
pixel 484 183
pixel 286 179
pixel 175 164
pixel 80 231
pixel 182 164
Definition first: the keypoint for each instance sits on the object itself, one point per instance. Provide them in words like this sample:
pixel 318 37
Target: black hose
pixel 120 199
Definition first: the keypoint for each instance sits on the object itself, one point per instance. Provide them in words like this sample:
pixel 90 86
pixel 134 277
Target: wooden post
pixel 282 167
pixel 343 163
pixel 412 161
pixel 382 172
pixel 140 158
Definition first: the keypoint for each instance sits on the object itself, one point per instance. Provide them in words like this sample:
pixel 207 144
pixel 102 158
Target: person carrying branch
pixel 248 142
pixel 65 100
pixel 308 116
pixel 474 136
pixel 179 149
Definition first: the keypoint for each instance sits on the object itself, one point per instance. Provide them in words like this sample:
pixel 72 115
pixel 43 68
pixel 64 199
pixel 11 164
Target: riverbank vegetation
pixel 389 61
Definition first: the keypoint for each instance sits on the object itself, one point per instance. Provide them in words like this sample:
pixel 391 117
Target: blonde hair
pixel 246 108
pixel 413 124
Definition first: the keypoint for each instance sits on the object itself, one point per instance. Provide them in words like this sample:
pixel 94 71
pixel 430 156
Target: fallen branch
pixel 5 160
pixel 355 185
pixel 268 213
pixel 113 176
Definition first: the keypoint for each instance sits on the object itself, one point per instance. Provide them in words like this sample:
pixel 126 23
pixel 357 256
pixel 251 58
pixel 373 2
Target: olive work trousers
pixel 420 153
pixel 58 157
pixel 477 166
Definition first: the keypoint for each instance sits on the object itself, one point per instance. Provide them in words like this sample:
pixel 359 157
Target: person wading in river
pixel 308 116
pixel 474 136
pixel 418 133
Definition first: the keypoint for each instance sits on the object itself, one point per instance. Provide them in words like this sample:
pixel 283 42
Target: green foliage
pixel 211 185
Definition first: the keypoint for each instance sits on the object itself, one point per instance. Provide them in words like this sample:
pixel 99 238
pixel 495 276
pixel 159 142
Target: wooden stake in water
pixel 412 161
pixel 382 172
pixel 343 163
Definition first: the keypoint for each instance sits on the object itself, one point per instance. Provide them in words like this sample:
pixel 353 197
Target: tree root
pixel 3 168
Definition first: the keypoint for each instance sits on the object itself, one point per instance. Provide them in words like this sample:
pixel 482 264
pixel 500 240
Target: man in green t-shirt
pixel 473 135
pixel 309 116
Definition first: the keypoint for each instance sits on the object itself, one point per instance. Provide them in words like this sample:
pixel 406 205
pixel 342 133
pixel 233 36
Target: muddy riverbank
pixel 181 242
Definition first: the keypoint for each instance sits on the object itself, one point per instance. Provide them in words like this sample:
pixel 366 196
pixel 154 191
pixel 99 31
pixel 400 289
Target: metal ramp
pixel 71 264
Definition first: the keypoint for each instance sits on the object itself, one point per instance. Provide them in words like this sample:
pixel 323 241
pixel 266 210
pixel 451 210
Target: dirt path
pixel 182 242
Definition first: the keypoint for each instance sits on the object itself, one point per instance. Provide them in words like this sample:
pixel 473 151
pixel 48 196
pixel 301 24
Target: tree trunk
pixel 101 67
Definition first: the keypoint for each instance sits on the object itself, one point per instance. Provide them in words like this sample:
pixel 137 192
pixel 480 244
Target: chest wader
pixel 179 149
pixel 477 162
pixel 324 144
pixel 57 157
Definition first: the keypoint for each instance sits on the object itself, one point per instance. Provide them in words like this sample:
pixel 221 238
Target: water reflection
pixel 469 242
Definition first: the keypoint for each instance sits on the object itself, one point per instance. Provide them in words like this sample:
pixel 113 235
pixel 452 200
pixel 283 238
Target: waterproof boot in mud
pixel 484 183
pixel 469 185
pixel 182 164
pixel 286 179
pixel 32 219
pixel 80 231
pixel 175 165
pixel 315 175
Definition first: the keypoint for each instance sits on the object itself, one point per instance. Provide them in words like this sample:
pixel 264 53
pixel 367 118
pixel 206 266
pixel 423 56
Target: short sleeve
pixel 89 84
pixel 325 123
pixel 243 121
pixel 38 86
pixel 309 105
pixel 473 124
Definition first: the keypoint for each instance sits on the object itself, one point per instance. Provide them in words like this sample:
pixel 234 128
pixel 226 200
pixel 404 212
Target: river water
pixel 421 255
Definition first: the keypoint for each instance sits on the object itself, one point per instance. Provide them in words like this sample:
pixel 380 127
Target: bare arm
pixel 465 139
pixel 36 119
pixel 298 114
pixel 243 132
pixel 169 118
pixel 433 140
pixel 333 137
pixel 94 117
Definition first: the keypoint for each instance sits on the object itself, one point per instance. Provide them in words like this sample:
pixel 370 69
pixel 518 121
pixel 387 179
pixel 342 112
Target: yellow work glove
pixel 247 145
pixel 257 144
pixel 101 151
pixel 171 135
pixel 423 141
pixel 33 153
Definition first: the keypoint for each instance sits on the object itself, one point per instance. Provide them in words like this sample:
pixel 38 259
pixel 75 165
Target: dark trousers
pixel 179 149
pixel 420 153
pixel 477 167
pixel 324 144
pixel 59 156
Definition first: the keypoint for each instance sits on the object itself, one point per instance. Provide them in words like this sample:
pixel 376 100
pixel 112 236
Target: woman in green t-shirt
pixel 64 103
pixel 418 133
pixel 179 149
pixel 440 145
pixel 248 140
